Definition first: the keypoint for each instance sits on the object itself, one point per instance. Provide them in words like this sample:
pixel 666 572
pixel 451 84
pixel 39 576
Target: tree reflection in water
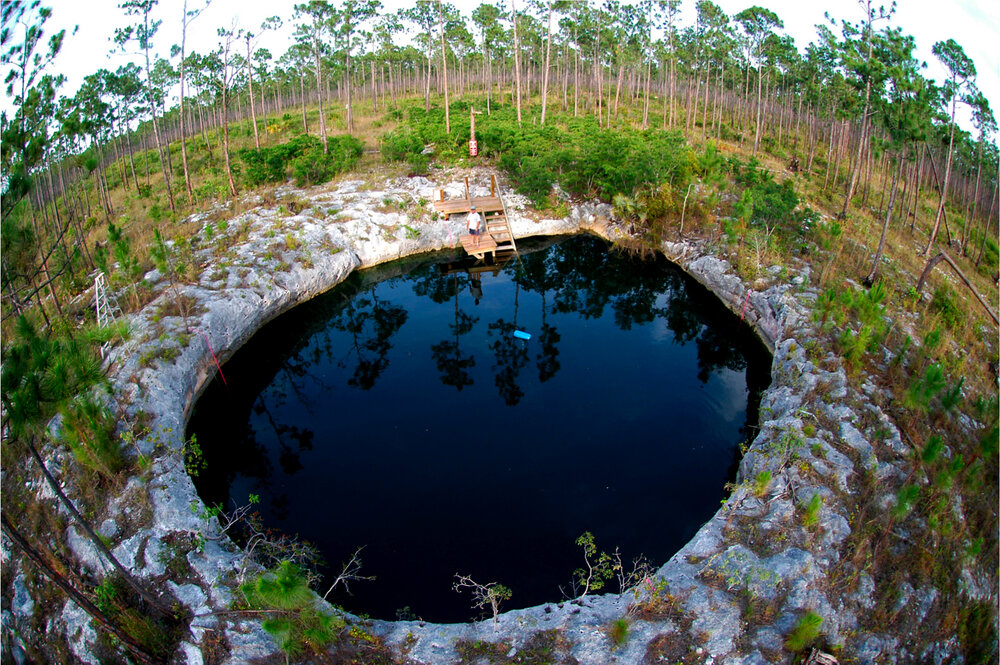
pixel 447 354
pixel 396 373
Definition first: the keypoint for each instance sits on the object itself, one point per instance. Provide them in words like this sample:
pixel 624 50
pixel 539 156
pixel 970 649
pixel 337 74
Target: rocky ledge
pixel 772 554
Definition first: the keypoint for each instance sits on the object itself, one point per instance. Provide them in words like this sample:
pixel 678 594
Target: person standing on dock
pixel 474 221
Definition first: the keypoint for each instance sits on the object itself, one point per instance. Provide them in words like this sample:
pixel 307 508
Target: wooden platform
pixel 497 236
pixel 479 245
pixel 484 204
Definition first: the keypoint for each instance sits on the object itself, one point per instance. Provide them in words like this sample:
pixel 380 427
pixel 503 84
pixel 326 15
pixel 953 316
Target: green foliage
pixel 575 152
pixel 905 498
pixel 194 459
pixel 618 631
pixel 711 166
pixel 598 569
pixel 88 429
pixel 314 166
pixel 303 158
pixel 767 203
pixel 296 625
pixel 166 257
pixel 41 373
pixel 864 307
pixel 284 588
pixel 945 304
pixel 117 330
pixel 400 144
pixel 977 632
pixel 932 449
pixel 932 340
pixel 904 347
pixel 810 513
pixel 952 396
pixel 761 483
pixel 925 388
pixel 805 632
pixel 827 234
pixel 158 635
pixel 419 164
pixel 990 441
pixel 126 267
pixel 826 304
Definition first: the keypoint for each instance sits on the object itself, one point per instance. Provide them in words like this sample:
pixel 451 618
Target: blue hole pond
pixel 400 412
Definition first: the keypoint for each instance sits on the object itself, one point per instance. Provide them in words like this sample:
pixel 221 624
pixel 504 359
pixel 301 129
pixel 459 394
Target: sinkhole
pixel 400 412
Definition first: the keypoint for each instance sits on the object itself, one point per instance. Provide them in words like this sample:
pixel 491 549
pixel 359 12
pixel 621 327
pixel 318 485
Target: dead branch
pixel 944 256
pixel 350 573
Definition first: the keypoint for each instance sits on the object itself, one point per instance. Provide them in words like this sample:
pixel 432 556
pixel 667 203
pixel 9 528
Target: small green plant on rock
pixel 618 631
pixel 805 632
pixel 761 483
pixel 293 621
pixel 810 513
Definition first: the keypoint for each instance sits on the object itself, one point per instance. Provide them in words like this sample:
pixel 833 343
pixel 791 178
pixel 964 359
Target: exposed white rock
pixel 288 258
pixel 80 632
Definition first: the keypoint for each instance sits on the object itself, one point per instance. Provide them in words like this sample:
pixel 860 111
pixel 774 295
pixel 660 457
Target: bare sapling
pixel 492 594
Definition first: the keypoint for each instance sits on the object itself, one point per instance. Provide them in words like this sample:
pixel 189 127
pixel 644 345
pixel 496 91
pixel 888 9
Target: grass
pixel 618 631
pixel 761 483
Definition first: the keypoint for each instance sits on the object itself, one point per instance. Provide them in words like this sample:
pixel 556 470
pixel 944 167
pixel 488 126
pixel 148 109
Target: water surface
pixel 398 411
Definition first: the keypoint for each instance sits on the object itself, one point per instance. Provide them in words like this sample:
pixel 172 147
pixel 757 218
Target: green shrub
pixel 295 623
pixel 304 157
pixel 810 514
pixel 905 498
pixel 924 389
pixel 419 163
pixel 89 431
pixel 761 483
pixel 400 144
pixel 270 164
pixel 805 632
pixel 618 631
pixel 944 303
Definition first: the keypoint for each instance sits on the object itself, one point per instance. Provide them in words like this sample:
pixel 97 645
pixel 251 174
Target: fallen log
pixel 944 256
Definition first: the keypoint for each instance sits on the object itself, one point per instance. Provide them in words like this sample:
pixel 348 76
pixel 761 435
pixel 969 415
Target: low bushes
pixel 303 158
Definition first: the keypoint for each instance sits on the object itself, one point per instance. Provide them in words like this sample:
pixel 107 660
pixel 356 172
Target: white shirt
pixel 474 221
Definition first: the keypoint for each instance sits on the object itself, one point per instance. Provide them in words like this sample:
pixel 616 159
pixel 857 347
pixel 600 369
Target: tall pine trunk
pixel 548 49
pixel 947 177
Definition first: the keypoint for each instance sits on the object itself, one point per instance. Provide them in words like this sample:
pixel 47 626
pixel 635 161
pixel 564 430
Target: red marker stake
pixel 212 351
pixel 743 311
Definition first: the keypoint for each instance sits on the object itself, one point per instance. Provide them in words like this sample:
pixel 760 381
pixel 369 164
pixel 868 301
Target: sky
pixel 974 24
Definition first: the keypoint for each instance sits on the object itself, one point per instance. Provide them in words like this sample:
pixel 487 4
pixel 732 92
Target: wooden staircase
pixel 497 224
pixel 498 238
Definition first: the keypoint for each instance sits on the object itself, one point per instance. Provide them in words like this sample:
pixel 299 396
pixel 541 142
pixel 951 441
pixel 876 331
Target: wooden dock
pixel 498 236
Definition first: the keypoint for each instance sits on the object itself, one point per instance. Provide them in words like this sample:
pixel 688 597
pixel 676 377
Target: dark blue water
pixel 398 413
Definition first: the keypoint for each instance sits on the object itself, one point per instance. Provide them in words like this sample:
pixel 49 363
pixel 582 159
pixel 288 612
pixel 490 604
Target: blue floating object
pixel 520 334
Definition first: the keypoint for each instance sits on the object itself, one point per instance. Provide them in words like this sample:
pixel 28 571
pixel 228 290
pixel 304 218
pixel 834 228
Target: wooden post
pixel 467 190
pixel 493 185
pixel 442 195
